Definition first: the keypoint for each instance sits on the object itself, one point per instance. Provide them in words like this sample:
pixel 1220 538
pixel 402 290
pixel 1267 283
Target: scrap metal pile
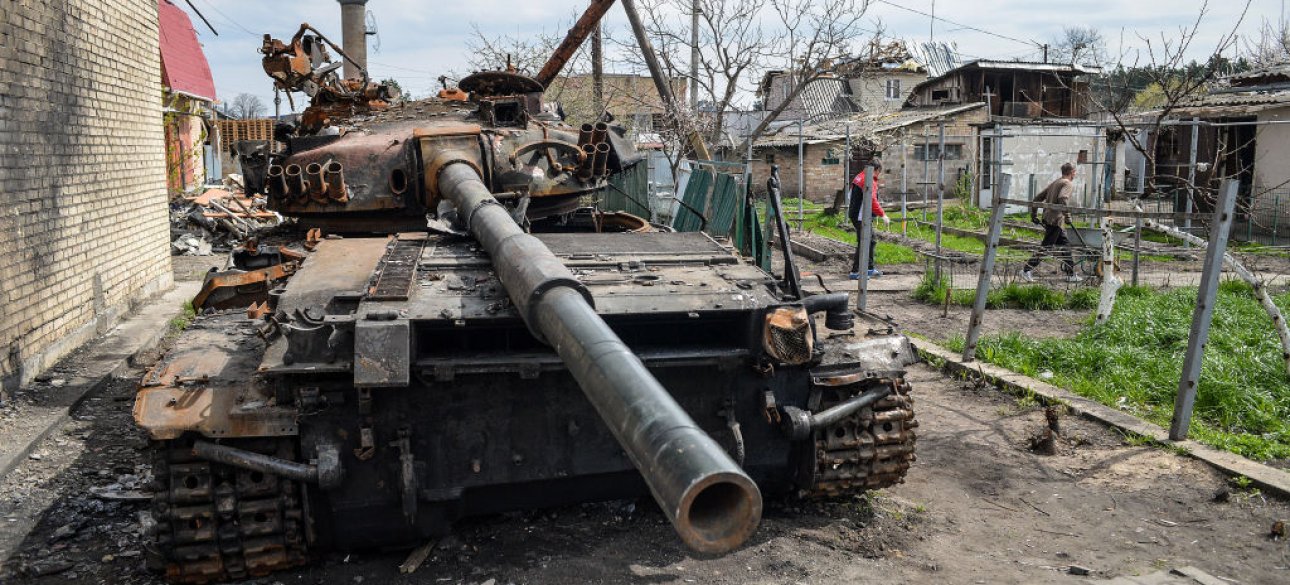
pixel 219 219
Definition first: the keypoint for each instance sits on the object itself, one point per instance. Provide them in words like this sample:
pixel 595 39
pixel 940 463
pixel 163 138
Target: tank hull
pixel 490 419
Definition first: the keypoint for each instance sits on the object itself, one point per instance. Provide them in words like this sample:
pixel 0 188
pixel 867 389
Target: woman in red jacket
pixel 855 214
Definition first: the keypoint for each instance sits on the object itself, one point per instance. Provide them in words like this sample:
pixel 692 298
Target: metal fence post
pixel 940 197
pixel 1191 178
pixel 904 185
pixel 1206 294
pixel 1137 247
pixel 866 233
pixel 846 166
pixel 801 177
pixel 1276 216
pixel 927 172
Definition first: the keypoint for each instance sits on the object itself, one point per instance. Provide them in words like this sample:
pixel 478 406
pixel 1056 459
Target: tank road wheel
pixel 870 449
pixel 218 523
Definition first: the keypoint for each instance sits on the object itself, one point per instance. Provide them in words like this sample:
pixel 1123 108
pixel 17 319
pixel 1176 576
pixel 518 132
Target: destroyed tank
pixel 465 338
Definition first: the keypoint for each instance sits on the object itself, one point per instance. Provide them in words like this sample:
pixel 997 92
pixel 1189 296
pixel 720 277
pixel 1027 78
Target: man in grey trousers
pixel 1057 193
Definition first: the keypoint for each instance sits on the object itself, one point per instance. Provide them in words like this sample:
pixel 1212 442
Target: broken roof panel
pixel 937 58
pixel 862 126
pixel 183 64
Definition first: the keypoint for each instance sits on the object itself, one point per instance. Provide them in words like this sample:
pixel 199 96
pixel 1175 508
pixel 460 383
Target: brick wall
pixel 824 179
pixel 84 230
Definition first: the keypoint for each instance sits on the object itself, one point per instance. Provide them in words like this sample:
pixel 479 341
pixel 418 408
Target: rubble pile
pixel 218 219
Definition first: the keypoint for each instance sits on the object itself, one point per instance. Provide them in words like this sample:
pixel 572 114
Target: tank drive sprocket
pixel 217 523
pixel 871 449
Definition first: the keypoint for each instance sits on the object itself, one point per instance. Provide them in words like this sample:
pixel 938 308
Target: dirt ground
pixel 977 507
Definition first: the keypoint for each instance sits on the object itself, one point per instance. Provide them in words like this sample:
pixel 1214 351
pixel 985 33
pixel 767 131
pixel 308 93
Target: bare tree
pixel 1271 45
pixel 526 55
pixel 813 34
pixel 1177 83
pixel 1080 45
pixel 1173 79
pixel 245 106
pixel 733 49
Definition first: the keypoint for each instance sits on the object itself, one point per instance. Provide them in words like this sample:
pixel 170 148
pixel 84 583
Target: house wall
pixel 1270 206
pixel 1033 156
pixel 185 143
pixel 823 180
pixel 1271 143
pixel 626 97
pixel 869 90
pixel 84 230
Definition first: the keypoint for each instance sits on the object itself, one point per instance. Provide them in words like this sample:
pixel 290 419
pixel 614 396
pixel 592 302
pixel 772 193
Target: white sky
pixel 421 40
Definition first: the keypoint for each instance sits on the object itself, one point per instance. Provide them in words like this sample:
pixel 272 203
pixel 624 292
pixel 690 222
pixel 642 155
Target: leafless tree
pixel 1180 83
pixel 733 49
pixel 1168 71
pixel 1081 45
pixel 813 33
pixel 245 106
pixel 1271 45
pixel 496 53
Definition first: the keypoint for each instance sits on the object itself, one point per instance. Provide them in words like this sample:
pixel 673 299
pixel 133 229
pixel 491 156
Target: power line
pixel 958 24
pixel 226 17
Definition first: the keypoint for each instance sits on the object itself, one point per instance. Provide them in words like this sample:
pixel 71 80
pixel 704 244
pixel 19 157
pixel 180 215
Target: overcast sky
pixel 421 40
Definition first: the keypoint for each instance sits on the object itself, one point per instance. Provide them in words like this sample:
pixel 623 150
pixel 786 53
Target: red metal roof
pixel 183 64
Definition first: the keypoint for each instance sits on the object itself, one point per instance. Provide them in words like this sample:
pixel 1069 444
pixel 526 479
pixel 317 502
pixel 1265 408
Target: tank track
pixel 219 523
pixel 868 450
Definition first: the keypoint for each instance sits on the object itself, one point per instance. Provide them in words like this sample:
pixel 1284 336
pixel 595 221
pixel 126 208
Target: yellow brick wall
pixel 83 217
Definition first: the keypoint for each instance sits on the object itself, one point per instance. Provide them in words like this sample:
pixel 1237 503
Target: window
pixel 932 152
pixel 940 95
pixel 893 89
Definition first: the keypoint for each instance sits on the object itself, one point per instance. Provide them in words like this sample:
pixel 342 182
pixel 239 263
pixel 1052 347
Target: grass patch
pixel 185 317
pixel 1034 297
pixel 886 253
pixel 1135 359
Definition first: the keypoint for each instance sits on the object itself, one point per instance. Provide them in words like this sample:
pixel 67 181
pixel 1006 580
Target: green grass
pixel 1034 297
pixel 185 317
pixel 1134 361
pixel 886 253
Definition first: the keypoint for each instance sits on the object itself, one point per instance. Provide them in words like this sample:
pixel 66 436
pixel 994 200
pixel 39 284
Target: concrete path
pixel 94 364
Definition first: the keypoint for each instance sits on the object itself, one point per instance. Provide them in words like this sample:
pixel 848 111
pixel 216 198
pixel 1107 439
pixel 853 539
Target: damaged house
pixel 188 96
pixel 1037 121
pixel 1240 133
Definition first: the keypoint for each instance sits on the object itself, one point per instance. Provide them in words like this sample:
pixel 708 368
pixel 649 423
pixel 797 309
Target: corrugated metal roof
pixel 1234 103
pixel 937 58
pixel 823 98
pixel 862 126
pixel 183 64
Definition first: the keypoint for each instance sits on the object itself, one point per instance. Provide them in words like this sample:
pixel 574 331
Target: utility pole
pixel 598 71
pixel 662 83
pixel 931 25
pixel 1045 52
pixel 694 55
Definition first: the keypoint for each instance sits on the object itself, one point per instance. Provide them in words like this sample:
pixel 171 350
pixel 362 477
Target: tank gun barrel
pixel 713 505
